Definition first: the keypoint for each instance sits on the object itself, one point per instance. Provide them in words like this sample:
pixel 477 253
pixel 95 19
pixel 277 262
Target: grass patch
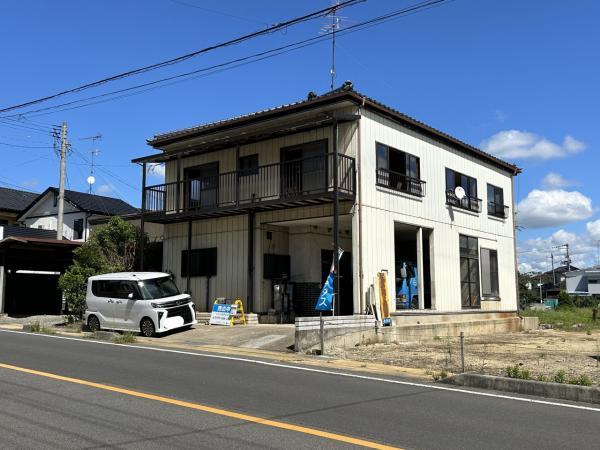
pixel 566 318
pixel 125 338
pixel 36 327
pixel 519 372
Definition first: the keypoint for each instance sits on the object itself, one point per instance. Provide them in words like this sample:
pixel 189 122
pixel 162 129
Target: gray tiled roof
pixel 14 200
pixel 344 93
pixel 98 203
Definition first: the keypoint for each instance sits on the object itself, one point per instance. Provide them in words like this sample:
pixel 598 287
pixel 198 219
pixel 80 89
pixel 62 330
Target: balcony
pixel 400 182
pixel 468 203
pixel 497 210
pixel 288 184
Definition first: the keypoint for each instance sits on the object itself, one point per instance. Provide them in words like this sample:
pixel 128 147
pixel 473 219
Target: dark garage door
pixel 28 293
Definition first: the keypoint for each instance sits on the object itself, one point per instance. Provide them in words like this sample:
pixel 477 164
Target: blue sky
pixel 518 78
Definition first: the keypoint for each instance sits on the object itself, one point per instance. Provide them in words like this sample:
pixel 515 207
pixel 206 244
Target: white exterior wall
pixel 381 207
pixel 44 215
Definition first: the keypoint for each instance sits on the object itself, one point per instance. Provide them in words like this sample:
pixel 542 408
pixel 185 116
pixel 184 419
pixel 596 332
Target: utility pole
pixel 553 273
pixel 61 184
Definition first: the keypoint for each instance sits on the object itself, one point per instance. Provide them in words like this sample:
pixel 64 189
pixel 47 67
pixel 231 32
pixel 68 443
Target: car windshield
pixel 156 288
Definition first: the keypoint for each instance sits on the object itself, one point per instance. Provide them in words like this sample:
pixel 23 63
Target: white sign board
pixel 221 314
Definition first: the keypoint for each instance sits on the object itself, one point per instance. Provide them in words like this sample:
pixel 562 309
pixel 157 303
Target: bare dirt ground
pixel 543 353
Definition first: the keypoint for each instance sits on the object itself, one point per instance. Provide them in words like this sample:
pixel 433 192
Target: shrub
pixel 581 380
pixel 111 248
pixel 519 372
pixel 560 377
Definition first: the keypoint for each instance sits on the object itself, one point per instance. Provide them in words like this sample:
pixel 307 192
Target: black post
pixel 237 177
pixel 250 300
pixel 336 220
pixel 142 231
pixel 189 257
pixel 178 188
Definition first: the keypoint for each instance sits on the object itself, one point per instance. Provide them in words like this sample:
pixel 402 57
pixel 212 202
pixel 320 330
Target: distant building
pixel 583 282
pixel 80 209
pixel 12 202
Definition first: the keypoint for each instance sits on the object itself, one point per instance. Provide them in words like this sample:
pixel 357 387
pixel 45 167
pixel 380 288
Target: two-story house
pixel 80 210
pixel 262 199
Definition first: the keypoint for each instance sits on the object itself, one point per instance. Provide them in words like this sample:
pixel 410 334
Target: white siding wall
pixel 381 207
pixel 45 215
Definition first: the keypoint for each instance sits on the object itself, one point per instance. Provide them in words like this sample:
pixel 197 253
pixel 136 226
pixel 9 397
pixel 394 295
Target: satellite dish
pixel 460 192
pixel 91 179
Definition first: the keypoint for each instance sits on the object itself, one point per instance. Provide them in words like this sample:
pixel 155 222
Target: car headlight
pixel 155 305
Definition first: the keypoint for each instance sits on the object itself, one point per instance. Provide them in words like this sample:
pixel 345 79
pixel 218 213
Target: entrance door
pixel 346 300
pixel 291 172
pixel 202 186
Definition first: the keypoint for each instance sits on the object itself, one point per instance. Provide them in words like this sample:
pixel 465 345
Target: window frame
pixel 490 295
pixel 252 169
pixel 79 233
pixel 204 266
pixel 471 255
pixel 407 179
pixel 495 212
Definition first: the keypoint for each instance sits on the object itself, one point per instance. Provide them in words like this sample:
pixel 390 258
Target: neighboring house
pixel 260 200
pixel 12 202
pixel 583 282
pixel 80 208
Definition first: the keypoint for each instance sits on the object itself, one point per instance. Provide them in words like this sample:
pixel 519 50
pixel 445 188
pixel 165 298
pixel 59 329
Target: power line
pixel 22 146
pixel 237 62
pixel 179 59
pixel 214 11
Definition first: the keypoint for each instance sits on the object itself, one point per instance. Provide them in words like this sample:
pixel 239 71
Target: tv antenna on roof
pixel 332 29
pixel 91 179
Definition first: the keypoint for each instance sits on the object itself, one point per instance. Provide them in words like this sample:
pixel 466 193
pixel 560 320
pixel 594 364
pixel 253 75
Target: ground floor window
pixel 469 271
pixel 489 273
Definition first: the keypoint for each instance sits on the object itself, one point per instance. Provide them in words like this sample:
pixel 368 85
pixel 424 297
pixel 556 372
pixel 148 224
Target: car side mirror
pixel 130 296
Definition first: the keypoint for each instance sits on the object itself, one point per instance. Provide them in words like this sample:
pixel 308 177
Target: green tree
pixel 111 248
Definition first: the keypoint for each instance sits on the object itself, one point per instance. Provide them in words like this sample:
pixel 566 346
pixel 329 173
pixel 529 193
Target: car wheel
pixel 147 327
pixel 94 324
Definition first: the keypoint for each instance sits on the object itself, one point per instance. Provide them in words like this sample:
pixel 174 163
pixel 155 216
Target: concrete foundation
pixel 350 331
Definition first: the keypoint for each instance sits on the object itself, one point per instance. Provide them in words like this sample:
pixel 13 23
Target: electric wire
pixel 179 59
pixel 228 65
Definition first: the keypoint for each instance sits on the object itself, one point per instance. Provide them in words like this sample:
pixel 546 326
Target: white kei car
pixel 148 302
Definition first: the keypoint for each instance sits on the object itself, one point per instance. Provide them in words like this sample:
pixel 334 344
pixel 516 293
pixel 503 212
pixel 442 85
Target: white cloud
pixel 104 189
pixel 534 254
pixel 555 180
pixel 542 209
pixel 593 229
pixel 156 170
pixel 501 116
pixel 30 183
pixel 516 144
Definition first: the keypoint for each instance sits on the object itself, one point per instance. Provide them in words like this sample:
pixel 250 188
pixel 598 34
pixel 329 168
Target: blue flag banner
pixel 325 302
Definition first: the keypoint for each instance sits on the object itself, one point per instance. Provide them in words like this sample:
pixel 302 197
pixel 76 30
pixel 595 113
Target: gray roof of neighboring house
pixel 334 96
pixel 14 200
pixel 19 231
pixel 92 203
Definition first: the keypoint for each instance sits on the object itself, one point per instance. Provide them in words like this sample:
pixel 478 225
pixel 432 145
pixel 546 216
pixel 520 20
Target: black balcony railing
pixel 497 210
pixel 468 203
pixel 279 183
pixel 400 182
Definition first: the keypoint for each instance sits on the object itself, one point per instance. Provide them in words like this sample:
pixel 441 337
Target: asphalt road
pixel 41 412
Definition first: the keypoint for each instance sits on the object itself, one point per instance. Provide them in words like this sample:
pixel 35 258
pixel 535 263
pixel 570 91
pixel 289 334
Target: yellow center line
pixel 205 408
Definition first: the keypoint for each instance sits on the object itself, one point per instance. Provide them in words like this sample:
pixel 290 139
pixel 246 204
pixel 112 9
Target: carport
pixel 29 271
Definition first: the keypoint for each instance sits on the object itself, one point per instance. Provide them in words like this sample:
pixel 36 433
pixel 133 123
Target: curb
pixel 528 387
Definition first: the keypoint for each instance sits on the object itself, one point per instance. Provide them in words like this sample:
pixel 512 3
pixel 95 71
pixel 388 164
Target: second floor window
pixel 249 165
pixel 495 199
pixel 398 170
pixel 78 228
pixel 469 184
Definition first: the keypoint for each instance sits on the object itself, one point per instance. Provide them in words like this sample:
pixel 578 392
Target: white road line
pixel 322 371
